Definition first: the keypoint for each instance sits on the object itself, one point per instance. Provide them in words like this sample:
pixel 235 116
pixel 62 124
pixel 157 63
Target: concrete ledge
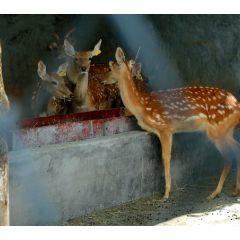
pixel 63 181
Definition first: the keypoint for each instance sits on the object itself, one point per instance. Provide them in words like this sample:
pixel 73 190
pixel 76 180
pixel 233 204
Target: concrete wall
pixel 176 50
pixel 63 181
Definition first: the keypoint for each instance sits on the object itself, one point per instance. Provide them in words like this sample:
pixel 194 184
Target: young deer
pixel 51 95
pixel 187 109
pixel 90 95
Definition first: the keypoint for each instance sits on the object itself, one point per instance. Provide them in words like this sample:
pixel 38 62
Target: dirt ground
pixel 187 206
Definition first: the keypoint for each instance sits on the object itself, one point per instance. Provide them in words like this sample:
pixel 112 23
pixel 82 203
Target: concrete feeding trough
pixel 43 131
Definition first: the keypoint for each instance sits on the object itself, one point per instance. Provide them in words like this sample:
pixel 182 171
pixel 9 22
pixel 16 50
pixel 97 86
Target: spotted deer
pixel 188 109
pixel 95 73
pixel 52 95
pixel 90 95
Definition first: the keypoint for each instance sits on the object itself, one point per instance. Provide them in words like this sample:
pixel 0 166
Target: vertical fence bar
pixel 4 162
pixel 105 129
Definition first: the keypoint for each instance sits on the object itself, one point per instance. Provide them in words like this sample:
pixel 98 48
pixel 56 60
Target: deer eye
pixel 53 83
pixel 90 58
pixel 109 69
pixel 76 59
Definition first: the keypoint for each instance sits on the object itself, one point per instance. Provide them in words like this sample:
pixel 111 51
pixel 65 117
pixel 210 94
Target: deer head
pixel 53 83
pixel 82 59
pixel 59 45
pixel 116 67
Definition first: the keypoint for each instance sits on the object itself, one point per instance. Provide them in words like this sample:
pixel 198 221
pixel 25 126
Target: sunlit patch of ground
pixel 187 206
pixel 228 216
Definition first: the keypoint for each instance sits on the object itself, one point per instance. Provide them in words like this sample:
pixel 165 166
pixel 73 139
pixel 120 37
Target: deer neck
pixel 81 88
pixel 72 72
pixel 130 95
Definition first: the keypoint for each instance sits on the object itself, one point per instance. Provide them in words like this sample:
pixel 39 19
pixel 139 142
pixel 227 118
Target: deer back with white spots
pixel 52 94
pixel 188 109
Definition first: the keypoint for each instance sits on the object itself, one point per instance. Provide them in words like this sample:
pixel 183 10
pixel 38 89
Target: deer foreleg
pixel 166 142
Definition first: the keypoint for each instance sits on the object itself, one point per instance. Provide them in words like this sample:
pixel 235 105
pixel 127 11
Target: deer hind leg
pixel 237 188
pixel 224 145
pixel 236 149
pixel 227 155
pixel 166 142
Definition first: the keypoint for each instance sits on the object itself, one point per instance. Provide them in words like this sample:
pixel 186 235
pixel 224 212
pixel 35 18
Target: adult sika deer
pixel 187 109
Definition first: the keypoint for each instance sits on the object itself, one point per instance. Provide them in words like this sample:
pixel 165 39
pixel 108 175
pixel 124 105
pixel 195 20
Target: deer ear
pixel 53 45
pixel 96 49
pixel 42 70
pixel 111 63
pixel 120 56
pixel 69 49
pixel 72 40
pixel 136 68
pixel 63 68
pixel 131 62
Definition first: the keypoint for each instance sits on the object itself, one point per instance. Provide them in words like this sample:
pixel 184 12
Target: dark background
pixel 176 50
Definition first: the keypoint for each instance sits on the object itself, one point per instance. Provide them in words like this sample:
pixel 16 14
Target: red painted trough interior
pixel 37 132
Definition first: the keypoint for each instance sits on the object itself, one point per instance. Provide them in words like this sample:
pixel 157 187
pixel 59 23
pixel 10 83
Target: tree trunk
pixel 4 163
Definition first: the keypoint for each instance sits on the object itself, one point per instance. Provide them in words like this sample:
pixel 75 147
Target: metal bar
pixel 105 129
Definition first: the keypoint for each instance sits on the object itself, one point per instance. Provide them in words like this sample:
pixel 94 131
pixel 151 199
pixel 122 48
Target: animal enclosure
pixel 177 51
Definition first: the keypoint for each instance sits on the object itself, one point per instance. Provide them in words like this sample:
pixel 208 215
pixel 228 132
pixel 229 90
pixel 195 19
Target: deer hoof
pixel 233 195
pixel 164 199
pixel 209 198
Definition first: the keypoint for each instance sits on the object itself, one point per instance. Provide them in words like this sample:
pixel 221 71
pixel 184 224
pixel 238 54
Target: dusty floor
pixel 187 206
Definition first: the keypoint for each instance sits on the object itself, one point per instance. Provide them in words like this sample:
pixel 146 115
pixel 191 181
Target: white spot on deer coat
pixel 192 118
pixel 221 112
pixel 158 117
pixel 152 120
pixel 202 115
